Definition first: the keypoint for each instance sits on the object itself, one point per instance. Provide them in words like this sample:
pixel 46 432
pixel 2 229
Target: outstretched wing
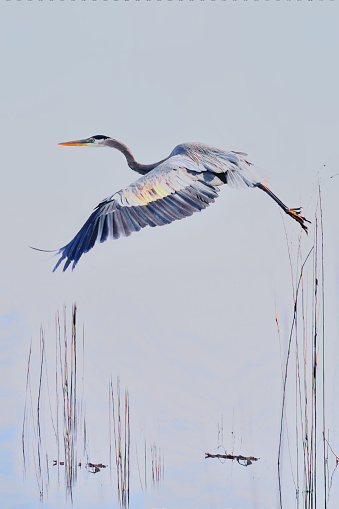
pixel 173 190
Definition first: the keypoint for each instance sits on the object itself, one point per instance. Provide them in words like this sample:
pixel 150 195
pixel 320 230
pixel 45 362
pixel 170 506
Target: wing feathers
pixel 155 199
pixel 117 226
pixel 105 229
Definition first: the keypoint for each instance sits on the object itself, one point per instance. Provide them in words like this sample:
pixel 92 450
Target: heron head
pixel 93 141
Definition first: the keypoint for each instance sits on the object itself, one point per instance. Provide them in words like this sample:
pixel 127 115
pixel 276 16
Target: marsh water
pixel 163 429
pixel 219 341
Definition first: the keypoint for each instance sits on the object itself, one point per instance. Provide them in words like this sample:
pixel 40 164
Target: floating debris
pixel 94 468
pixel 244 461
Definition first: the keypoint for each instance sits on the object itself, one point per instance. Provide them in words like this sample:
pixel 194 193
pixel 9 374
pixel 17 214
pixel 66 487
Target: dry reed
pixel 58 416
pixel 309 462
pixel 122 441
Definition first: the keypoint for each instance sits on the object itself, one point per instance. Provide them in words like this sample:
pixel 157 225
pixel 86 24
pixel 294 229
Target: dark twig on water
pixel 244 461
pixel 94 468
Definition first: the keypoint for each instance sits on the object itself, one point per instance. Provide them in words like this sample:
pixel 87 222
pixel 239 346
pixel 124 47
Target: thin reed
pixel 309 463
pixel 54 421
pixel 157 464
pixel 68 381
pixel 49 417
pixel 122 441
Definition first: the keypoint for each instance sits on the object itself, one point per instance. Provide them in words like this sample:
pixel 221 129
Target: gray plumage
pixel 185 182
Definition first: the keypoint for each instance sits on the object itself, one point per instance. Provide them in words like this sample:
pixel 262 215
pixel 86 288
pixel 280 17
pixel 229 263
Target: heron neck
pixel 131 161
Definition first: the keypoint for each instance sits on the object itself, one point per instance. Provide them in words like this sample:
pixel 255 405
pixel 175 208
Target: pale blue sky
pixel 184 314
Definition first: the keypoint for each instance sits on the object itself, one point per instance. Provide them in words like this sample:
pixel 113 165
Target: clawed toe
pixel 295 213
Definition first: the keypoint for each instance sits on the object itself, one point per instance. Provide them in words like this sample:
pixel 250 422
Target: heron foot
pixel 296 214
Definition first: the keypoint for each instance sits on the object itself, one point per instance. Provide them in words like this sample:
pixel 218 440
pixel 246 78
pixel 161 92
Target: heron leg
pixel 295 213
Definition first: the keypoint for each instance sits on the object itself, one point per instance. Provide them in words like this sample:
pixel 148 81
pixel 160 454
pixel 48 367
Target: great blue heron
pixel 187 181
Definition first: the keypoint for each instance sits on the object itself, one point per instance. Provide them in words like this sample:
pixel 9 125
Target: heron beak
pixel 77 143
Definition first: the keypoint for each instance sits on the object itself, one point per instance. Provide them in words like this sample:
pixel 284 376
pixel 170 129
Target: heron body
pixel 187 181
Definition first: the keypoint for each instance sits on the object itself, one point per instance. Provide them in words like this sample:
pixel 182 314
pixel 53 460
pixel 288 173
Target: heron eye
pixel 92 140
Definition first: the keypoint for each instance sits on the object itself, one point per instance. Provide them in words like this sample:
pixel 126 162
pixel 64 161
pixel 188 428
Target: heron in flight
pixel 186 181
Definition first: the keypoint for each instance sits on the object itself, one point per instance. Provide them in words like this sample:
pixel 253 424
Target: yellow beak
pixel 78 143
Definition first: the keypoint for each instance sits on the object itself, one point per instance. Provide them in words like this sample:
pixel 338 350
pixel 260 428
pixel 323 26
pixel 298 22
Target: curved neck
pixel 132 163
